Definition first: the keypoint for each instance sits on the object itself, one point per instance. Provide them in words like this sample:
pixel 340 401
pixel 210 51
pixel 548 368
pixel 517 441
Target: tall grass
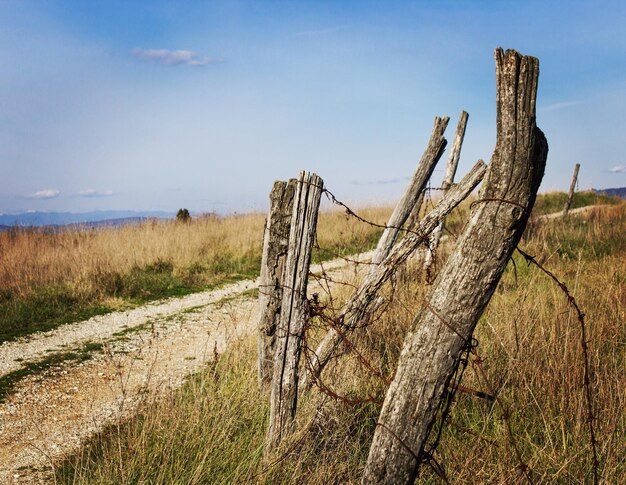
pixel 210 431
pixel 530 358
pixel 48 277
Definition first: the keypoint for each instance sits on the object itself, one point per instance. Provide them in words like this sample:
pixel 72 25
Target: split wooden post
pixel 365 301
pixel 443 327
pixel 448 179
pixel 274 256
pixel 411 199
pixel 572 188
pixel 294 309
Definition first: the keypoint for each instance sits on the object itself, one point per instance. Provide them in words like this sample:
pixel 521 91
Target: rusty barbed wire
pixel 319 311
pixel 332 198
pixel 329 316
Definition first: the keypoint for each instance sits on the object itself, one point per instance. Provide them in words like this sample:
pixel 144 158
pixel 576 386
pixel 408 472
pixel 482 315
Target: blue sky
pixel 159 105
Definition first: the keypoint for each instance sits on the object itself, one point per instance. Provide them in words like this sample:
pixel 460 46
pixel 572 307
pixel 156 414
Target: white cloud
pixel 618 169
pixel 173 58
pixel 45 194
pixel 96 193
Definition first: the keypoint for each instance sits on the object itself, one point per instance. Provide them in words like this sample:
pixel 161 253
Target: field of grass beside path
pixel 528 356
pixel 51 277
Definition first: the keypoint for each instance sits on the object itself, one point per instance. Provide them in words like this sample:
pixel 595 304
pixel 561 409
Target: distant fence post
pixel 572 188
pixel 443 327
pixel 294 310
pixel 274 256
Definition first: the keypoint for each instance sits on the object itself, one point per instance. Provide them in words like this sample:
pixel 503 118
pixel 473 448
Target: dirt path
pixel 146 350
pixel 578 210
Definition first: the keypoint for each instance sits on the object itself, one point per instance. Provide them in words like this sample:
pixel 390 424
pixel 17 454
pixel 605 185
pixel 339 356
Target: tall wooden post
pixel 448 179
pixel 274 256
pixel 572 188
pixel 294 309
pixel 443 327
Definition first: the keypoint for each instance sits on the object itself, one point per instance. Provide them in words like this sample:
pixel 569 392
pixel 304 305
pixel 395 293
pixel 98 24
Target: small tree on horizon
pixel 183 215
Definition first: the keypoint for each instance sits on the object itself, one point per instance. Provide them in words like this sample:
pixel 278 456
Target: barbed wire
pixel 328 316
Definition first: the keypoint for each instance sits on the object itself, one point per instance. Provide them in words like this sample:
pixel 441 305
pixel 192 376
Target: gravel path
pixel 146 350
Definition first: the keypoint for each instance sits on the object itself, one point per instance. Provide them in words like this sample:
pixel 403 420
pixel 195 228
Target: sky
pixel 158 105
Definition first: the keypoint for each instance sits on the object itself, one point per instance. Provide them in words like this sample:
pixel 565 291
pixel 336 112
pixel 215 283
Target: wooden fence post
pixel 443 327
pixel 448 179
pixel 364 301
pixel 411 199
pixel 294 309
pixel 572 188
pixel 275 244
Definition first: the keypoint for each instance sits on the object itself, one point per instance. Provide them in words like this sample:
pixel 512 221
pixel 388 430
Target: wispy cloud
pixel 44 194
pixel 617 169
pixel 394 180
pixel 96 193
pixel 558 106
pixel 173 58
pixel 329 30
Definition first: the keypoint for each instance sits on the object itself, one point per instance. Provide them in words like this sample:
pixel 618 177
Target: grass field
pixel 529 356
pixel 50 277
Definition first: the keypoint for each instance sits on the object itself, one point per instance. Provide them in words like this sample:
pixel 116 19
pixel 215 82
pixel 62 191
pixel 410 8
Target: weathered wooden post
pixel 572 188
pixel 294 309
pixel 443 328
pixel 448 179
pixel 275 245
pixel 411 199
pixel 365 300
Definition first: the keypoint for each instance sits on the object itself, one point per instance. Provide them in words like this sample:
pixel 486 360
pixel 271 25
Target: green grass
pixel 49 307
pixel 585 237
pixel 220 418
pixel 45 309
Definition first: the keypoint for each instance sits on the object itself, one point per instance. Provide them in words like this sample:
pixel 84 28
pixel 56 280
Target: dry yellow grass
pixel 50 277
pixel 34 258
pixel 530 357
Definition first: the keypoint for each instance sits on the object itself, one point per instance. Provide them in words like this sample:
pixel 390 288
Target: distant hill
pixel 93 219
pixel 618 192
